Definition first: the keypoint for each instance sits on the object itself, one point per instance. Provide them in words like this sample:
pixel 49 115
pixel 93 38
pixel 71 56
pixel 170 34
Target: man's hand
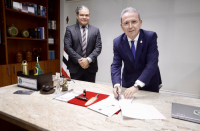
pixel 115 91
pixel 129 92
pixel 84 63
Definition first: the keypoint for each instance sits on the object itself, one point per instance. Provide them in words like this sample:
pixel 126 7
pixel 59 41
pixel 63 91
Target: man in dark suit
pixel 83 45
pixel 138 50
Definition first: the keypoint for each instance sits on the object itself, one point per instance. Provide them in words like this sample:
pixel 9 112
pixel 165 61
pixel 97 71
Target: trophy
pixel 37 53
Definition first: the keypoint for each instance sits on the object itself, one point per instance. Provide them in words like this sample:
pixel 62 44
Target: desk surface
pixel 41 112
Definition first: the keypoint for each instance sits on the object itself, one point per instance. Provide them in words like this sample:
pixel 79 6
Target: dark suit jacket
pixel 144 67
pixel 73 47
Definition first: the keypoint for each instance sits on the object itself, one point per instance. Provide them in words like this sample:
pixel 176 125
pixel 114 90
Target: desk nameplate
pixel 34 82
pixel 27 82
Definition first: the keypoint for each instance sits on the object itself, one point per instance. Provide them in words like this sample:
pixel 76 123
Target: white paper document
pixel 68 96
pixel 140 111
pixel 109 106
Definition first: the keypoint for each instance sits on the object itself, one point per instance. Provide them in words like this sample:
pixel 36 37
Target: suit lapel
pixel 79 34
pixel 140 44
pixel 89 34
pixel 128 49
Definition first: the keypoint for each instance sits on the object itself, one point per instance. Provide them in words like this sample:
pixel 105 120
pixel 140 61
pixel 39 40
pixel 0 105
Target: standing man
pixel 82 43
pixel 138 50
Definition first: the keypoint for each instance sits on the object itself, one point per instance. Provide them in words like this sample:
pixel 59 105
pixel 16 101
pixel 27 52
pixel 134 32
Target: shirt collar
pixel 85 26
pixel 136 38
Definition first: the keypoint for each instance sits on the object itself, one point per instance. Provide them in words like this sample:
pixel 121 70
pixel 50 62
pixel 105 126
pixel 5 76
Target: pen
pixel 71 80
pixel 117 94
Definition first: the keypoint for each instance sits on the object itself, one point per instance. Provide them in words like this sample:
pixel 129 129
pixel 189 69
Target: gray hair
pixel 130 9
pixel 80 8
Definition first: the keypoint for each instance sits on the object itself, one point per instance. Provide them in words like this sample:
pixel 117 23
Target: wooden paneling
pixel 48 66
pixel 15 68
pixel 15 46
pixel 54 66
pixel 5 77
pixel 43 66
pixel 2 44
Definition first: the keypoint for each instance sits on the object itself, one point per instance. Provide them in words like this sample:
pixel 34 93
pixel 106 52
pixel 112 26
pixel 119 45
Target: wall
pixel 176 23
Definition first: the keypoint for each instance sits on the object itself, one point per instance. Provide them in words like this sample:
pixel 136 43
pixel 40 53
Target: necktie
pixel 84 42
pixel 133 48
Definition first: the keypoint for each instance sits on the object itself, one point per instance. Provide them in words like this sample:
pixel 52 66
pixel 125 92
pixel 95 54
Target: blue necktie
pixel 133 48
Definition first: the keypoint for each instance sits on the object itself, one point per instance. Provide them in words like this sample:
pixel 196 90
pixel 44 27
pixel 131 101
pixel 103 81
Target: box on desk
pixel 34 82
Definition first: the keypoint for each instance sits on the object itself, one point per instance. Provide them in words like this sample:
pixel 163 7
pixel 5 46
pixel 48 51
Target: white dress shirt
pixel 86 29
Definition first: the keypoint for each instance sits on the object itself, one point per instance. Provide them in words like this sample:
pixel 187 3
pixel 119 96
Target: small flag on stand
pixel 38 70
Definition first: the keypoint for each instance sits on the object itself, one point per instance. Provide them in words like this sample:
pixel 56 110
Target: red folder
pixel 89 95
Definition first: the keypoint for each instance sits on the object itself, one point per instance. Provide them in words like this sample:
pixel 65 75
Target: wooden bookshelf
pixel 21 38
pixel 23 13
pixel 12 45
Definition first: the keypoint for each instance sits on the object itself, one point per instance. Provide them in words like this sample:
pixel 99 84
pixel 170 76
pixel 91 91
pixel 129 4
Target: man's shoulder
pixel 147 32
pixel 119 38
pixel 93 27
pixel 72 26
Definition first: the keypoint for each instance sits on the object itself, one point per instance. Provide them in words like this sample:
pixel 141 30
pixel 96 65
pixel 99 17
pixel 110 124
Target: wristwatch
pixel 138 86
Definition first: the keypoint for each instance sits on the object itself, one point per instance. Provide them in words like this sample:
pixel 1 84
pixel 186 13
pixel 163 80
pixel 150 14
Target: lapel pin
pixel 197 112
pixel 141 41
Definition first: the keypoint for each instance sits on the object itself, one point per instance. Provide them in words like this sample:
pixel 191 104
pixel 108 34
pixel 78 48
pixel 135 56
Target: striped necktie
pixel 133 48
pixel 84 43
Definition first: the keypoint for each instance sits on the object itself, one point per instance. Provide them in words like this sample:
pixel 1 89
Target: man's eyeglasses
pixel 128 23
pixel 81 15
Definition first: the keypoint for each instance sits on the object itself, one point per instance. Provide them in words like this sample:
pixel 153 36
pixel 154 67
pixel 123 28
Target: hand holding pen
pixel 117 92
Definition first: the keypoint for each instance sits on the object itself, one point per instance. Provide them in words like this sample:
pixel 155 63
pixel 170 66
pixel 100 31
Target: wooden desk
pixel 40 112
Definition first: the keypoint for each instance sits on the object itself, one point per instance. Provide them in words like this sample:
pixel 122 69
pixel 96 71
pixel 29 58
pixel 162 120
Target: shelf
pixel 52 29
pixel 52 14
pixel 20 12
pixel 21 38
pixel 53 45
pixel 13 45
pixel 31 61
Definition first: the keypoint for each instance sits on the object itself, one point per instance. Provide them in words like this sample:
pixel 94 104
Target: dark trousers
pixel 83 75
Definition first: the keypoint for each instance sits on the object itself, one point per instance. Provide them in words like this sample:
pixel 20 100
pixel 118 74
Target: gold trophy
pixel 64 86
pixel 25 70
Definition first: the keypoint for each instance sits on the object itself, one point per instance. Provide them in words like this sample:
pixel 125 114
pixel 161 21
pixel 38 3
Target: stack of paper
pixel 109 106
pixel 140 111
pixel 68 96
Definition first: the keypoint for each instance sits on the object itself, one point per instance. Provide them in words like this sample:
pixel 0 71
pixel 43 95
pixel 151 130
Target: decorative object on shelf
pixel 37 53
pixel 32 32
pixel 25 33
pixel 28 55
pixel 51 40
pixel 50 6
pixel 19 57
pixel 12 30
pixel 25 70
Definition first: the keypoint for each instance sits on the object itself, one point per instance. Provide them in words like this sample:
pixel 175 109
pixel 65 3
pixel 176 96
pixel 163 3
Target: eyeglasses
pixel 128 23
pixel 81 15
